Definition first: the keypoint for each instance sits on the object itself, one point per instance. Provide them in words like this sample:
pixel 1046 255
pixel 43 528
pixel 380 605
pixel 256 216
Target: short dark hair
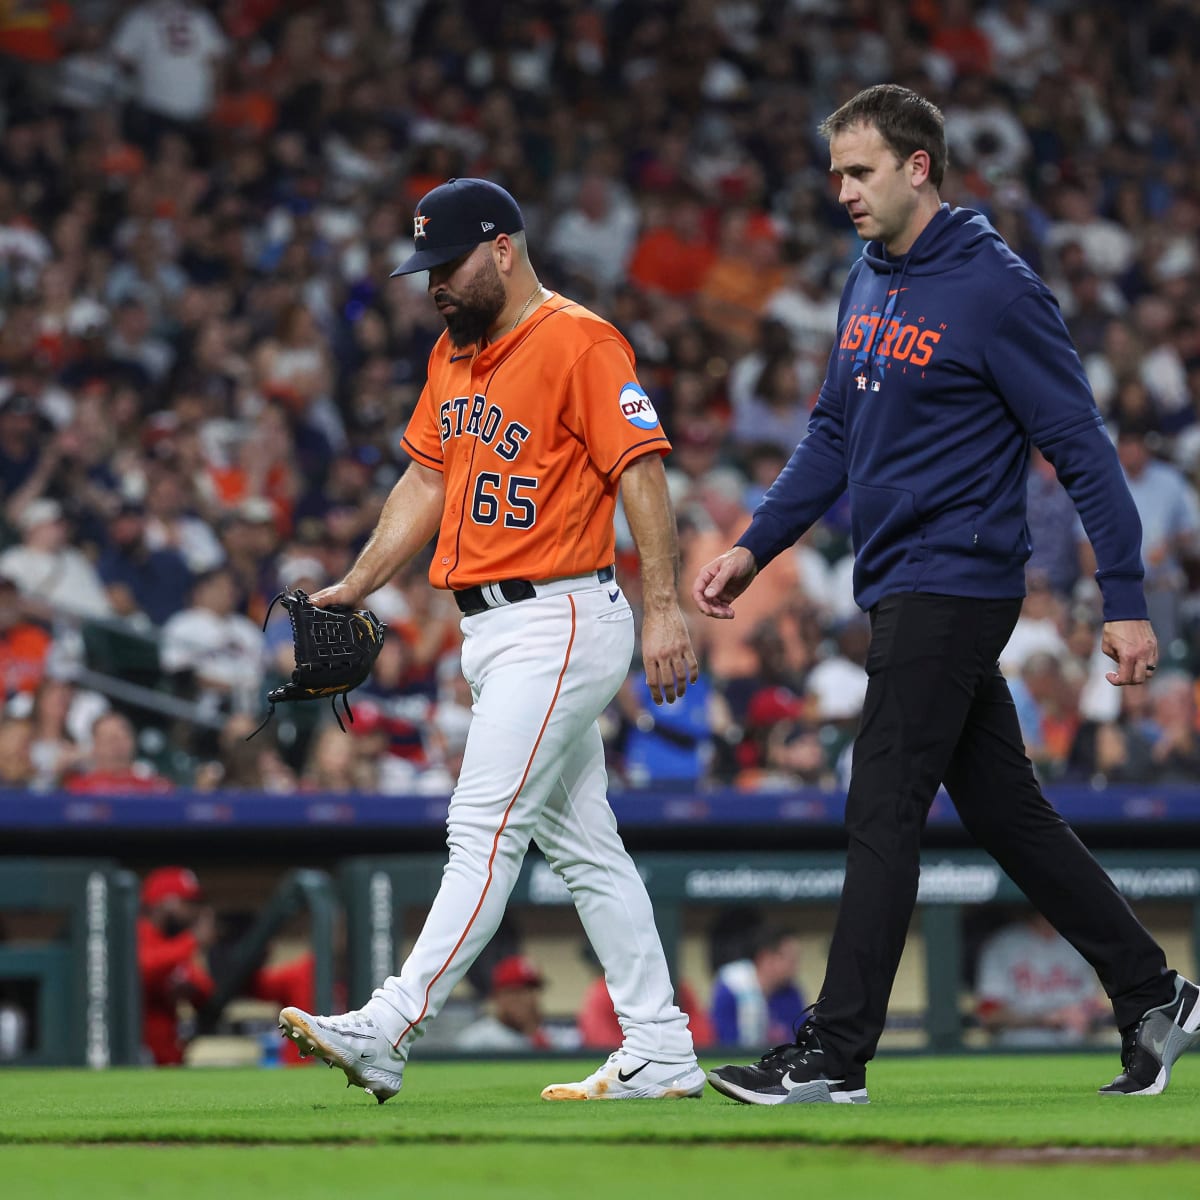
pixel 770 938
pixel 906 121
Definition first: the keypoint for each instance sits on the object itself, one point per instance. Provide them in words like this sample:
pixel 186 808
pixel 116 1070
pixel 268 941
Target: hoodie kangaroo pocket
pixel 881 516
pixel 954 533
pixel 976 536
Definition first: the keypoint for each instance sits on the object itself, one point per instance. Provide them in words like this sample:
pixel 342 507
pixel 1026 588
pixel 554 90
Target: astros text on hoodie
pixel 949 361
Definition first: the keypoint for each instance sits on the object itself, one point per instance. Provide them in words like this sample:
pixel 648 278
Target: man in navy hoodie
pixel 951 360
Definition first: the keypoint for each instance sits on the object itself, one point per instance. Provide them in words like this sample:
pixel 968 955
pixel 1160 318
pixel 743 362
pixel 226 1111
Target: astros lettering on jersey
pixel 531 491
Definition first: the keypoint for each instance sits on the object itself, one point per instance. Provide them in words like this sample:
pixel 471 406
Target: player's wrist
pixel 660 605
pixel 357 586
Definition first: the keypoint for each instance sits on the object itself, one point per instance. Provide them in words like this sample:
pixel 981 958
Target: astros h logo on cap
pixel 454 218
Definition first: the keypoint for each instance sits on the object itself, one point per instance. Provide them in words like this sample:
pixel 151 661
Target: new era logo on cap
pixel 454 218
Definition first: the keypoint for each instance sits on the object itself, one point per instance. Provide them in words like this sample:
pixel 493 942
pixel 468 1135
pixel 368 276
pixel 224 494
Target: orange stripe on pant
pixel 496 839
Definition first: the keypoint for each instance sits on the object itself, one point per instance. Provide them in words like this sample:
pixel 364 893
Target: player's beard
pixel 476 307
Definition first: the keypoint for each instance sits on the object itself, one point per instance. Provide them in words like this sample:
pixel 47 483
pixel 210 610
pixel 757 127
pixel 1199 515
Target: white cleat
pixel 351 1041
pixel 624 1077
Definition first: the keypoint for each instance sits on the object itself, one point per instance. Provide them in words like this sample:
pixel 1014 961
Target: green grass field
pixel 962 1127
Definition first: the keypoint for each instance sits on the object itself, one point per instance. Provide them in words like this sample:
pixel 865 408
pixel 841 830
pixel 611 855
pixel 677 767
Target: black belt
pixel 473 600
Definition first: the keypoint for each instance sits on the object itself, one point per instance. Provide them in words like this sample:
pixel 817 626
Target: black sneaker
pixel 791 1074
pixel 1149 1048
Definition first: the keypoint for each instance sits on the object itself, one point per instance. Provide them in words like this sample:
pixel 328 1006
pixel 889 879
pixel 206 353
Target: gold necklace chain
pixel 524 308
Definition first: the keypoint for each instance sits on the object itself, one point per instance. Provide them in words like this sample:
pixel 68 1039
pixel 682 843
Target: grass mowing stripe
pixel 976 1101
pixel 512 1173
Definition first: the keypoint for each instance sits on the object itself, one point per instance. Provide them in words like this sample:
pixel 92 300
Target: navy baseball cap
pixel 454 218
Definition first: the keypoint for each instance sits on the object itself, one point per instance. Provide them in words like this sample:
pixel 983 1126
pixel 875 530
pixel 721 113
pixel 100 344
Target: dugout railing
pixel 380 892
pixel 77 983
pixel 68 956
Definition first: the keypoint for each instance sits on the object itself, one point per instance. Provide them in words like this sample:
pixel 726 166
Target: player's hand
pixel 721 581
pixel 204 928
pixel 667 653
pixel 1133 647
pixel 337 593
pixel 178 985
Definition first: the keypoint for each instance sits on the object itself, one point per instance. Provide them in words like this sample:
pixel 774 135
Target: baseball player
pixel 531 418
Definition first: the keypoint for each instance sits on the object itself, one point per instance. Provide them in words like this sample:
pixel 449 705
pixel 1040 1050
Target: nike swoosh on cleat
pixel 626 1078
pixel 788 1082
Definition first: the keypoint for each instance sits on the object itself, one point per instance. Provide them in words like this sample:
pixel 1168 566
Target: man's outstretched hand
pixel 722 581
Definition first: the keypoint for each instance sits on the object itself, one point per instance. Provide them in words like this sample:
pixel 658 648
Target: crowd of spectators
pixel 205 371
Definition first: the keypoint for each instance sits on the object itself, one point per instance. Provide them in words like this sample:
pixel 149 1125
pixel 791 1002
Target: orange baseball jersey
pixel 531 435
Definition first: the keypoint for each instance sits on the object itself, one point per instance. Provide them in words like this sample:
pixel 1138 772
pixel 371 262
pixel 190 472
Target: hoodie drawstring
pixel 896 277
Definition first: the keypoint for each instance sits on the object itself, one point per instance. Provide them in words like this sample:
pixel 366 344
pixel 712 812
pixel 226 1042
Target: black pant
pixel 937 711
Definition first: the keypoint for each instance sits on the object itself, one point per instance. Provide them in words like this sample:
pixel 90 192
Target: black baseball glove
pixel 335 649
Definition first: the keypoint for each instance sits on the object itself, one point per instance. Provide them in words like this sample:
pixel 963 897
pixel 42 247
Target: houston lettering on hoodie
pixel 949 361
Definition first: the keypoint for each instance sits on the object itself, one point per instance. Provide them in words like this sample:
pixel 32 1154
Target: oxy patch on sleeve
pixel 636 407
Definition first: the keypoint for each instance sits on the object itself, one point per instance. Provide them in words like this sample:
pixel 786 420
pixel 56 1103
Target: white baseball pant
pixel 541 672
